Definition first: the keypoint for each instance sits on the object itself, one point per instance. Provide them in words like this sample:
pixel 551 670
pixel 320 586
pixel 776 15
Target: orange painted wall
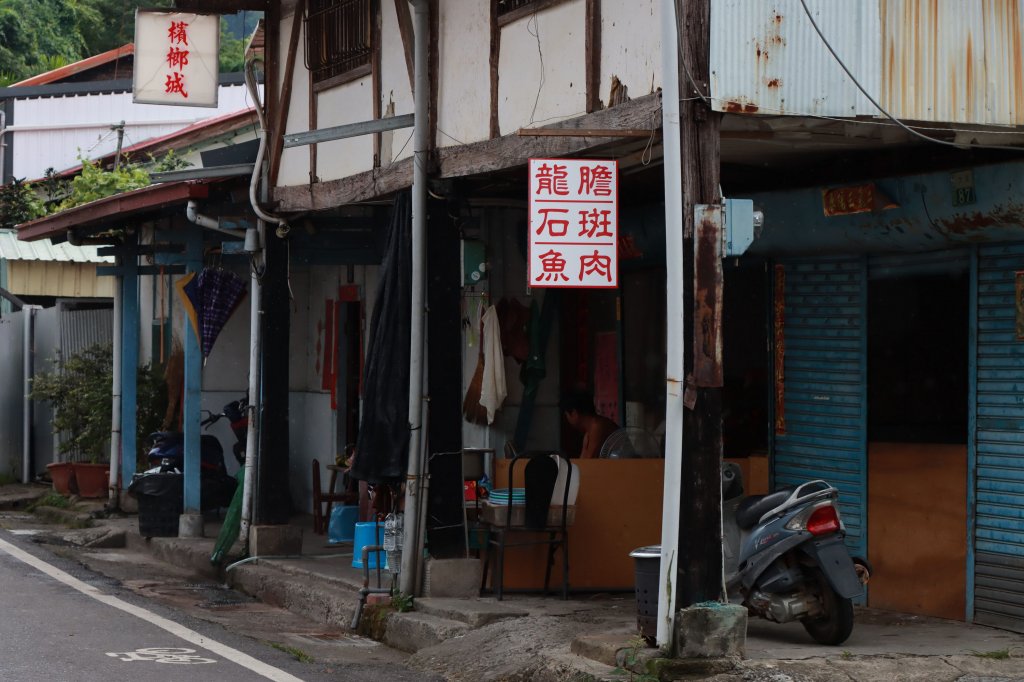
pixel 917 528
pixel 618 509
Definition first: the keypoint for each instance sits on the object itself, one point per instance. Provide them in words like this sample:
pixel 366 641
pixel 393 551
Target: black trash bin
pixel 161 502
pixel 648 572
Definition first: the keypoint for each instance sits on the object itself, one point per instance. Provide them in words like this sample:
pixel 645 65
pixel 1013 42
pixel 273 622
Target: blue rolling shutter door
pixel 825 333
pixel 998 456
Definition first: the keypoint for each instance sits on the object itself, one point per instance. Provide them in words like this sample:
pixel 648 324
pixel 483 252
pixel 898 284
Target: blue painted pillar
pixel 191 412
pixel 129 362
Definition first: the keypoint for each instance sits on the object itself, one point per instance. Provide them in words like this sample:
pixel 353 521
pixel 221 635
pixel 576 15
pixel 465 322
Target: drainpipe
pixel 255 341
pixel 3 145
pixel 255 238
pixel 215 224
pixel 28 353
pixel 675 382
pixel 412 545
pixel 115 423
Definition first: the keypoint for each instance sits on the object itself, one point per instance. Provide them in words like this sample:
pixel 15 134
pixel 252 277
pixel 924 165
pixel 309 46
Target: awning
pixel 112 211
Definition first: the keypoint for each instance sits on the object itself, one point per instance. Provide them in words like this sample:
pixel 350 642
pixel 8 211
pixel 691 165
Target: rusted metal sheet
pixel 707 298
pixel 779 336
pixel 767 59
pixel 923 60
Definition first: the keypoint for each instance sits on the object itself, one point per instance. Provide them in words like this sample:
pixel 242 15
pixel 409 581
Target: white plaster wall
pixel 396 91
pixel 464 95
pixel 348 103
pixel 295 161
pixel 631 46
pixel 310 436
pixel 561 80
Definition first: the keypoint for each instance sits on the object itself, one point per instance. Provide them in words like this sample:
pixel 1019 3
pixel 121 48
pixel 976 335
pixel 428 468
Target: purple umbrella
pixel 210 297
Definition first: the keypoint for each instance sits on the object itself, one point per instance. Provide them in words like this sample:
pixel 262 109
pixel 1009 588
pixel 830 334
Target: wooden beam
pixel 494 62
pixel 433 69
pixel 584 132
pixel 406 31
pixel 352 189
pixel 593 54
pixel 699 576
pixel 375 76
pixel 281 121
pixel 513 150
pixel 510 151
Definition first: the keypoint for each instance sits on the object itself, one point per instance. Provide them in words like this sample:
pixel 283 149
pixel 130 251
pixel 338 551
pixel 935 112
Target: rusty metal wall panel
pixel 767 59
pixel 953 60
pixel 924 60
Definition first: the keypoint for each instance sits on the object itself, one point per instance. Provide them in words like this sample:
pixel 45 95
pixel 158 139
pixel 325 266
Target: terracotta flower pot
pixel 63 475
pixel 93 479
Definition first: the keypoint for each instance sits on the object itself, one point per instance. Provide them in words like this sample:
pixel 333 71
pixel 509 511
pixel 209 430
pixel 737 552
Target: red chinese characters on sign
pixel 177 58
pixel 849 200
pixel 573 223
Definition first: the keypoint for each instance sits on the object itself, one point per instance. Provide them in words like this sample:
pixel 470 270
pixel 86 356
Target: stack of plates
pixel 501 496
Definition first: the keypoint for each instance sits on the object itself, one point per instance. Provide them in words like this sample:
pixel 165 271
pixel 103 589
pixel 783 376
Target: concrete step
pixel 473 612
pixel 414 630
pixel 20 495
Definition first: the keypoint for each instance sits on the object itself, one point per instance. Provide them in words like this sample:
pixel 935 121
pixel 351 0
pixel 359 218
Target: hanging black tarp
pixel 382 451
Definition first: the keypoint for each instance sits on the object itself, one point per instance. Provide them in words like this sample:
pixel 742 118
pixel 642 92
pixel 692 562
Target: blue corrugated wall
pixel 997 451
pixel 825 332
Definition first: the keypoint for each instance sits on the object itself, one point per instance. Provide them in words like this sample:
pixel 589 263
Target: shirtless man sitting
pixel 579 411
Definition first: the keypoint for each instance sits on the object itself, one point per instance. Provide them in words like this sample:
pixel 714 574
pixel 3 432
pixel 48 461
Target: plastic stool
pixel 368 533
pixel 342 525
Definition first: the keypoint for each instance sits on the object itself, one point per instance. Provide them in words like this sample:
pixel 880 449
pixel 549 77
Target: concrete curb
pixel 67 517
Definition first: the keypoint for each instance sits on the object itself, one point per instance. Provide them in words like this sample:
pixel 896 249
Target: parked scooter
pixel 785 557
pixel 167 454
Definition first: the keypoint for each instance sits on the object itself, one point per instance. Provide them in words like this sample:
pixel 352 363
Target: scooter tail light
pixel 824 520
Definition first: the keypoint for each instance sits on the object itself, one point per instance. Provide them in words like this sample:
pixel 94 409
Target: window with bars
pixel 339 37
pixel 506 6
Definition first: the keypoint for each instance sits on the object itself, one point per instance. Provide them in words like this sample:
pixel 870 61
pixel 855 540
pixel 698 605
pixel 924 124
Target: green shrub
pixel 80 392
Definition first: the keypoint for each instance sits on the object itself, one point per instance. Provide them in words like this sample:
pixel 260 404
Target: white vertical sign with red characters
pixel 574 214
pixel 176 58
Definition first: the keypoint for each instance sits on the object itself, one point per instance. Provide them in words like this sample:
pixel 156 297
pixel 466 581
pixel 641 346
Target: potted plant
pixel 80 390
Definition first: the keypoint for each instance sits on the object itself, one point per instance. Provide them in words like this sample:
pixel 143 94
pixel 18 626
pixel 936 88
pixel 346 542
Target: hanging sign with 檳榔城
pixel 176 58
pixel 573 223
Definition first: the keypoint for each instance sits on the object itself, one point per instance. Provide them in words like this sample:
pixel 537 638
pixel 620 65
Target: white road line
pixel 233 655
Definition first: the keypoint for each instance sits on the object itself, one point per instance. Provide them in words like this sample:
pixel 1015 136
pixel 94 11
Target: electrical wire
pixel 880 108
pixel 543 77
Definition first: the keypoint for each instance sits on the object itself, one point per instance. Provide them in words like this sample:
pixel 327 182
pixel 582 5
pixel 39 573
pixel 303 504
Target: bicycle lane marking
pixel 180 631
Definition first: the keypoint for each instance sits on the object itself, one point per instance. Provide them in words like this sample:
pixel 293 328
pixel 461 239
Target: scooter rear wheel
pixel 835 624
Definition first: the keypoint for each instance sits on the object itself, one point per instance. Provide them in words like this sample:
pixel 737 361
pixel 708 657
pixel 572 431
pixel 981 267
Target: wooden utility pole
pixel 700 543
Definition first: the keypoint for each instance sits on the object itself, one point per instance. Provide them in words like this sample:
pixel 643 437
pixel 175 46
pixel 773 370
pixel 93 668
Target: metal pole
pixel 28 341
pixel 115 422
pixel 412 550
pixel 675 379
pixel 255 342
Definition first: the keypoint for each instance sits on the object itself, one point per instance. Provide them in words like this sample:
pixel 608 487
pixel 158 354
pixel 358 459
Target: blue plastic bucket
pixel 342 525
pixel 368 533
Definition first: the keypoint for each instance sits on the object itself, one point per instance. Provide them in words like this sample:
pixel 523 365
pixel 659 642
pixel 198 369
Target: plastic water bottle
pixel 393 540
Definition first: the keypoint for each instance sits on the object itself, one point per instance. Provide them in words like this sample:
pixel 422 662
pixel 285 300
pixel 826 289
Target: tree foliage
pixel 18 204
pixel 36 35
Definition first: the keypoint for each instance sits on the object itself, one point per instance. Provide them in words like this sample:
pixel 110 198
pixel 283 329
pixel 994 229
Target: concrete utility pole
pixel 700 575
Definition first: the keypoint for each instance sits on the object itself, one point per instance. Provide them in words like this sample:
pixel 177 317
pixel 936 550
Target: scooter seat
pixel 750 510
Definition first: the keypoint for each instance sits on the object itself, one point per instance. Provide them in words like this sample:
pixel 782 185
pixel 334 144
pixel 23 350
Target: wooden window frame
pixel 532 7
pixel 317 10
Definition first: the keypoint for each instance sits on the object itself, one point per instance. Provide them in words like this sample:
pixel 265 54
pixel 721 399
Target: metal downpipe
pixel 675 383
pixel 412 547
pixel 114 501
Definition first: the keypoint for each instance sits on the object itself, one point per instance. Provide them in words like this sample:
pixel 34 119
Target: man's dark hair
pixel 581 401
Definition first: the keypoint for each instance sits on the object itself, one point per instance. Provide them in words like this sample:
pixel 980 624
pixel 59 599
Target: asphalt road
pixel 60 621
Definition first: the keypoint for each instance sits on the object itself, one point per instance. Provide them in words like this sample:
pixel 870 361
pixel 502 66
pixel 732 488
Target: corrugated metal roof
pixel 941 60
pixel 46 250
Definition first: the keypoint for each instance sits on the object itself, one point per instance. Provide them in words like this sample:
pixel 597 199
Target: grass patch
pixel 846 655
pixel 995 655
pixel 298 654
pixel 50 499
